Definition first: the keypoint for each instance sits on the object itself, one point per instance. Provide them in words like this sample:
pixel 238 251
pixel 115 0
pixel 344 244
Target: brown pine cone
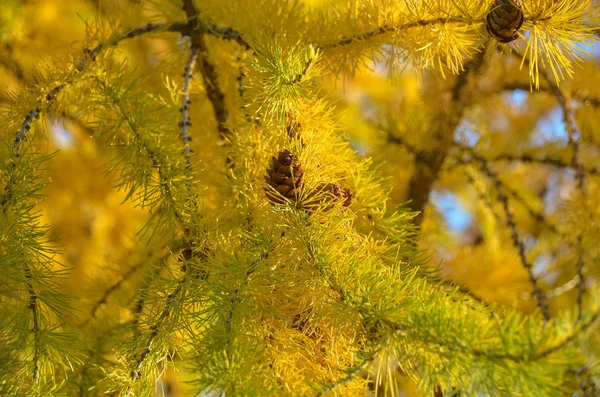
pixel 285 176
pixel 504 20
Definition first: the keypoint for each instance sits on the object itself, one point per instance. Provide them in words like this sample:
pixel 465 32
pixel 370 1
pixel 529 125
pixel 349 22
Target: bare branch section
pixel 172 298
pixel 549 161
pixel 209 73
pixel 110 290
pixel 34 114
pixel 580 96
pixel 213 91
pixel 391 29
pixel 35 329
pixel 485 168
pixel 536 215
pixel 574 135
pixel 185 107
pixel 241 77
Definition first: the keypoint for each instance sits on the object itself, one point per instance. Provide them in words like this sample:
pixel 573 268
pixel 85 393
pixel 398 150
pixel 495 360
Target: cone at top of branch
pixel 504 20
pixel 285 176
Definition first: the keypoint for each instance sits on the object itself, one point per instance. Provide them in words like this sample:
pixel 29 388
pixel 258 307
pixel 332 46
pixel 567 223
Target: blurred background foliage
pixel 387 117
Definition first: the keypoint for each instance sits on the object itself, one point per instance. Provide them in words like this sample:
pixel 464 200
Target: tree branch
pixel 549 161
pixel 209 74
pixel 166 312
pixel 114 287
pixel 574 136
pixel 185 107
pixel 540 297
pixel 391 29
pixel 35 329
pixel 108 292
pixel 213 91
pixel 34 114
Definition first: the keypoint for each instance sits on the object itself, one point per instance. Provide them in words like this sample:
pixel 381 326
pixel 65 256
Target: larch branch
pixel 391 29
pixel 185 107
pixel 209 73
pixel 166 312
pixel 110 290
pixel 549 161
pixel 34 114
pixel 35 329
pixel 519 245
pixel 574 137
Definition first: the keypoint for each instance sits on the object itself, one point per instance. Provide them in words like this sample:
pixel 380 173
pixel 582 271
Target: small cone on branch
pixel 285 176
pixel 337 194
pixel 504 20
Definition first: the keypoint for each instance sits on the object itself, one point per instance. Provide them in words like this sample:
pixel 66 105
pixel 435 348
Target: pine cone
pixel 285 176
pixel 504 20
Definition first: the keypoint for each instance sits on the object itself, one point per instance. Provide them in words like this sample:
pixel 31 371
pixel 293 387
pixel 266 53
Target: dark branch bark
pixel 391 29
pixel 166 312
pixel 35 329
pixel 185 107
pixel 209 73
pixel 503 199
pixel 34 114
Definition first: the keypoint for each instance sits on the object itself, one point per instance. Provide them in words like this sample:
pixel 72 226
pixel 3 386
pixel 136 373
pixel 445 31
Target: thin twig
pixel 536 357
pixel 569 285
pixel 579 96
pixel 185 107
pixel 540 297
pixel 209 73
pixel 391 29
pixel 236 293
pixel 166 312
pixel 89 57
pixel 574 136
pixel 549 161
pixel 227 33
pixel 109 291
pixel 538 216
pixel 141 302
pixel 241 77
pixel 213 90
pixel 393 138
pixel 9 63
pixel 568 339
pixel 480 194
pixel 35 329
pixel 581 279
pixel 466 291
